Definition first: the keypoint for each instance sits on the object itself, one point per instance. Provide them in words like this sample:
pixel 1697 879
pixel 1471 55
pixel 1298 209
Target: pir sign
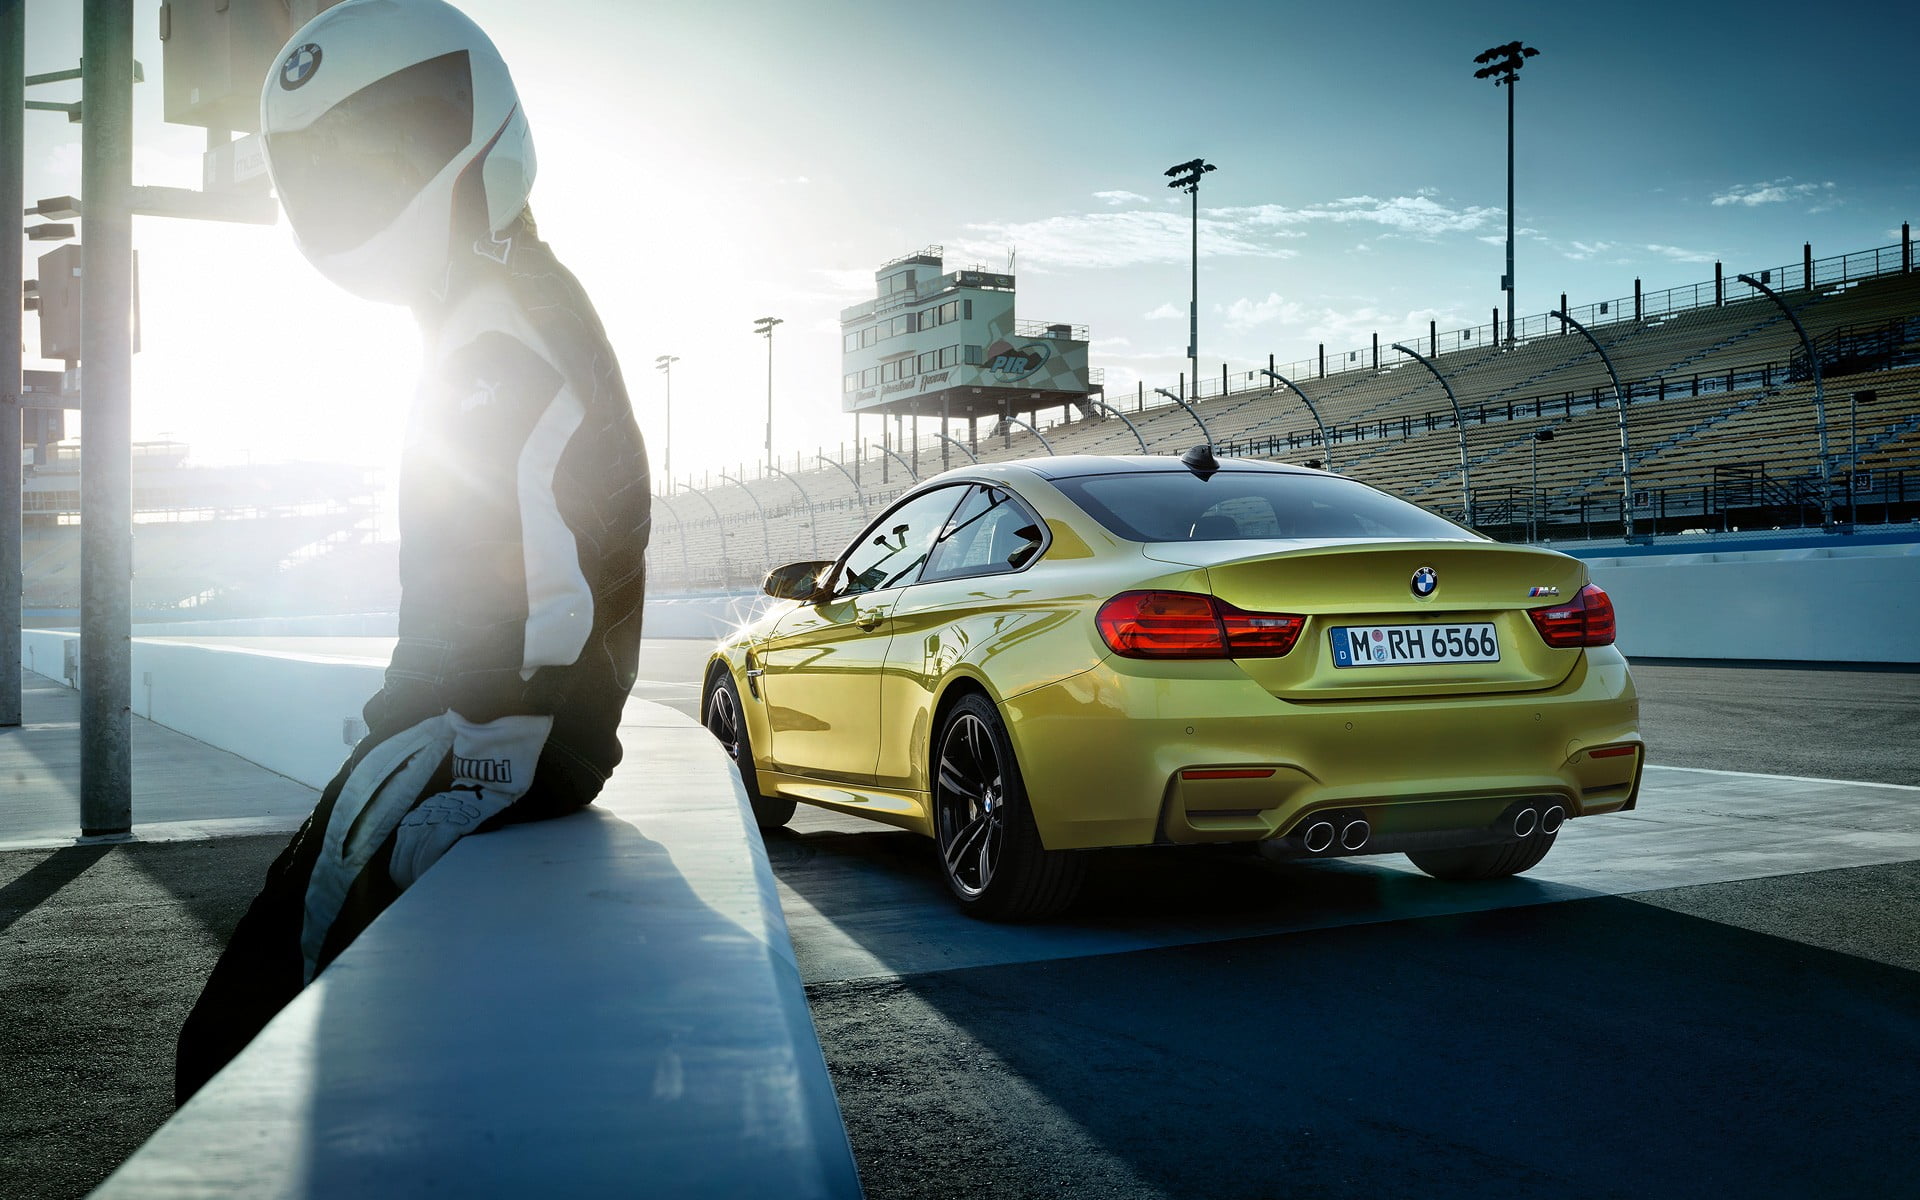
pixel 1037 364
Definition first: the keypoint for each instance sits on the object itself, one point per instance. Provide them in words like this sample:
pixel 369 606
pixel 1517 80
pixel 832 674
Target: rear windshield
pixel 1179 506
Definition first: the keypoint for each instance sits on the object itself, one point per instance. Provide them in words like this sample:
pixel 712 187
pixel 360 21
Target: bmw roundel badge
pixel 299 66
pixel 1425 580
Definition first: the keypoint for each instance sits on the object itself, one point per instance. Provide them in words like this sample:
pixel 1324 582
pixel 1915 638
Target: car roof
pixel 1070 466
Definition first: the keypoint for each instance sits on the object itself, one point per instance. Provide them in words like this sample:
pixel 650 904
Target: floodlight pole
pixel 664 364
pixel 1620 401
pixel 1186 176
pixel 1819 396
pixel 764 327
pixel 1505 72
pixel 13 83
pixel 106 450
pixel 1204 431
pixel 1325 440
pixel 1459 423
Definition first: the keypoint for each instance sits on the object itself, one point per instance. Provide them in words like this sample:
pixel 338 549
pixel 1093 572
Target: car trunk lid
pixel 1370 586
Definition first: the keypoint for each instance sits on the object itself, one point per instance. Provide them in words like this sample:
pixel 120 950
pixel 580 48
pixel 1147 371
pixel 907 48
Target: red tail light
pixel 1189 625
pixel 1586 620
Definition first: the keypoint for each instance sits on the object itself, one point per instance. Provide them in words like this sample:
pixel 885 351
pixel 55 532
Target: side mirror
pixel 795 581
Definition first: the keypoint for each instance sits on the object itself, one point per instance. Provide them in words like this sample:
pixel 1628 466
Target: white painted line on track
pixel 1900 787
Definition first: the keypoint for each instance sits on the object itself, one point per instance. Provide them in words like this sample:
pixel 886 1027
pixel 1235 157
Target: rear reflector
pixel 1611 752
pixel 1233 773
pixel 1190 625
pixel 1586 620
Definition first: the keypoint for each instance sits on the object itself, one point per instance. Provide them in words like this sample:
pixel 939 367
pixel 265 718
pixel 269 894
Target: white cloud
pixel 1681 254
pixel 1116 239
pixel 1244 314
pixel 1166 312
pixel 1119 197
pixel 1419 215
pixel 1778 191
pixel 1581 251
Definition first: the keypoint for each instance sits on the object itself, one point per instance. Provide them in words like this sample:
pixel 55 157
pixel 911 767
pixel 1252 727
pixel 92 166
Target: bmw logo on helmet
pixel 1425 580
pixel 299 66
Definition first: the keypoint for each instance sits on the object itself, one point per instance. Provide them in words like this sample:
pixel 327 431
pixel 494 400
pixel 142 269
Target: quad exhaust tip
pixel 1318 838
pixel 1355 834
pixel 1553 819
pixel 1524 822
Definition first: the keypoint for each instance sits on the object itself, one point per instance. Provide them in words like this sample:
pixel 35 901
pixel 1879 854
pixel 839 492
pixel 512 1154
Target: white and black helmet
pixel 393 133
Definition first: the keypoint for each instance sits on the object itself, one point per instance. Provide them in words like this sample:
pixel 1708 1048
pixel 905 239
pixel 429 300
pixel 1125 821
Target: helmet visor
pixel 347 176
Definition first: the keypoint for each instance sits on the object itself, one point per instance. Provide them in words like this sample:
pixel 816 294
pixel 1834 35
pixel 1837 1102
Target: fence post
pixel 1806 264
pixel 1323 360
pixel 1719 286
pixel 1637 310
pixel 1376 350
pixel 1906 248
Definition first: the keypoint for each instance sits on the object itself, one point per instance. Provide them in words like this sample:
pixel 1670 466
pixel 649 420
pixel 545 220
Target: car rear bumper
pixel 1132 753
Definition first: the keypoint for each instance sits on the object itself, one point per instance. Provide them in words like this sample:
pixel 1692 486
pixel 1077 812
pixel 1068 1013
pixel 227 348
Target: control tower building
pixel 947 345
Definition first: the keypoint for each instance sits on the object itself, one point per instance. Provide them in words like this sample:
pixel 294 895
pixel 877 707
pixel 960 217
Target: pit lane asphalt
pixel 1756 1036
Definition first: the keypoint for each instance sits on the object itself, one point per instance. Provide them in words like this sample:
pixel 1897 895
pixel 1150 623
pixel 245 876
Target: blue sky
pixel 702 165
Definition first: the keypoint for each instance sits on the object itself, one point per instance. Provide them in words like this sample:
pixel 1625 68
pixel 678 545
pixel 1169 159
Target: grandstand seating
pixel 1719 387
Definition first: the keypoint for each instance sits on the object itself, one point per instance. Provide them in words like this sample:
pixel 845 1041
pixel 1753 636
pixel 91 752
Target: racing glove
pixel 492 767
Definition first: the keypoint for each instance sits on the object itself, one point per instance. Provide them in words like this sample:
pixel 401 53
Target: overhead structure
pixel 946 344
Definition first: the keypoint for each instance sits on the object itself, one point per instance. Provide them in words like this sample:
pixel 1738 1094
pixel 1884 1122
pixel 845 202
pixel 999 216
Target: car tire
pixel 1485 862
pixel 725 720
pixel 989 847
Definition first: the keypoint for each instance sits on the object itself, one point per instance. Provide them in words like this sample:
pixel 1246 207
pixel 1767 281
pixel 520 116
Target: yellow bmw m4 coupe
pixel 1027 660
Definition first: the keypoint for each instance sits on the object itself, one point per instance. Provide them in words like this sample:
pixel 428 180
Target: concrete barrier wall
pixel 1827 604
pixel 286 712
pixel 603 1005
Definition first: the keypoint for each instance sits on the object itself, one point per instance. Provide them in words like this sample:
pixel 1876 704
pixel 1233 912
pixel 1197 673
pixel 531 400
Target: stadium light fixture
pixel 664 364
pixel 764 327
pixel 1819 395
pixel 1502 65
pixel 1186 177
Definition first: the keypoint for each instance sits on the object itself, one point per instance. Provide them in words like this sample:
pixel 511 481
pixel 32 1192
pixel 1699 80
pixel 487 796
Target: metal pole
pixel 13 83
pixel 726 568
pixel 1459 422
pixel 1512 80
pixel 1030 429
pixel 769 393
pixel 1326 442
pixel 813 522
pixel 1620 402
pixel 106 456
pixel 1204 431
pixel 971 457
pixel 766 533
pixel 1819 396
pixel 852 478
pixel 1193 306
pixel 1103 406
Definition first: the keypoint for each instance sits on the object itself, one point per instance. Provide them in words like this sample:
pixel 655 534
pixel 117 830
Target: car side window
pixel 989 533
pixel 892 550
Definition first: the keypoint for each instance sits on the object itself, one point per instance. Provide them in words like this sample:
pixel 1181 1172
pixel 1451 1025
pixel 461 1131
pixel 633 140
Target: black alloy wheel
pixel 990 850
pixel 728 725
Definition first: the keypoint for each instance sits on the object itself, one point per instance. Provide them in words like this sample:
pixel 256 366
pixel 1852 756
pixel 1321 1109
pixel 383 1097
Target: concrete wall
pixel 287 712
pixel 1820 604
pixel 599 1005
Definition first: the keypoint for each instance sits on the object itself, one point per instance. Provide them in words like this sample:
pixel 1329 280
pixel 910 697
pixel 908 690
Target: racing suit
pixel 524 517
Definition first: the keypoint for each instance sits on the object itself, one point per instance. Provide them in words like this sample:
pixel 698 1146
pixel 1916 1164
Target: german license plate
pixel 1400 645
